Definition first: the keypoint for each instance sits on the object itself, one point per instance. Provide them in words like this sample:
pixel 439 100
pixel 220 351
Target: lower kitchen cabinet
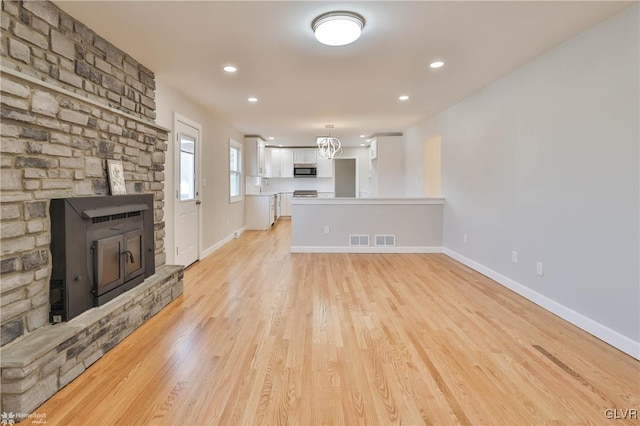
pixel 285 203
pixel 261 211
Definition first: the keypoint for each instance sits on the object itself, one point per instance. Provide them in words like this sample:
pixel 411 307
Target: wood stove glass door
pixel 133 254
pixel 107 257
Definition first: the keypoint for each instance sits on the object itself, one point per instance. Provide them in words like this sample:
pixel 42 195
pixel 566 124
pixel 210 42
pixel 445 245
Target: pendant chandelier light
pixel 328 146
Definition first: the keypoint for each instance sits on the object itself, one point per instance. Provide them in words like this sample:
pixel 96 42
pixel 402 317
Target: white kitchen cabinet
pixel 278 206
pixel 267 162
pixel 272 162
pixel 326 194
pixel 285 203
pixel 304 156
pixel 324 167
pixel 279 162
pixel 254 151
pixel 286 163
pixel 373 150
pixel 261 211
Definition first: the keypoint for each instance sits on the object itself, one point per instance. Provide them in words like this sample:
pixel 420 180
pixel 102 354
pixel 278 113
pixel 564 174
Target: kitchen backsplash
pixel 288 184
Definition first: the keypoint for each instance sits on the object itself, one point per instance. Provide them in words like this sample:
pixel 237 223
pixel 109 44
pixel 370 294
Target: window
pixel 235 171
pixel 187 168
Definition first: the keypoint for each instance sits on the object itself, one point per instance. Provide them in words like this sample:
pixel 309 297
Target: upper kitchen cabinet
pixel 324 167
pixel 254 149
pixel 272 162
pixel 373 150
pixel 305 156
pixel 286 163
pixel 279 162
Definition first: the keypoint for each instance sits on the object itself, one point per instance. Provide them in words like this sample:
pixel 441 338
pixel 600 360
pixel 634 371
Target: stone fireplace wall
pixel 70 100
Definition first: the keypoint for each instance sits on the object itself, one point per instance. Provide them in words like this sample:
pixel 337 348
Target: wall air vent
pixel 358 240
pixel 385 240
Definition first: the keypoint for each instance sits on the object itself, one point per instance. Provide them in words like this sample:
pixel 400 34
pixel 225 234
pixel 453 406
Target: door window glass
pixel 187 168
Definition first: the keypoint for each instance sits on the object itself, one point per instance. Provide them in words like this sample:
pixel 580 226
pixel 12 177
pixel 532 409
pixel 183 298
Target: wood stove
pixel 100 248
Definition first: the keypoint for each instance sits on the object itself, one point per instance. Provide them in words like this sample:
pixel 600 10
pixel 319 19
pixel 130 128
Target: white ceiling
pixel 303 85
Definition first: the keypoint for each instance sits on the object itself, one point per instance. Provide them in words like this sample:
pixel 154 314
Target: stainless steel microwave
pixel 304 170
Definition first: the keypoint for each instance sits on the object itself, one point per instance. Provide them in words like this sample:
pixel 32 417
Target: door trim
pixel 179 118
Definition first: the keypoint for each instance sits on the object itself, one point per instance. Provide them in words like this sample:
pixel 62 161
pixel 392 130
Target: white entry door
pixel 187 220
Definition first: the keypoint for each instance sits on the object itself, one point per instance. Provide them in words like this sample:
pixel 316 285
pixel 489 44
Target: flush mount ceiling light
pixel 337 28
pixel 252 99
pixel 436 64
pixel 329 147
pixel 230 69
pixel 403 98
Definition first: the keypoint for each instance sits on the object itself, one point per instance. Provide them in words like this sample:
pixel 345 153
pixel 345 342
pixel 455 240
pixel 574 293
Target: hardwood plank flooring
pixel 264 336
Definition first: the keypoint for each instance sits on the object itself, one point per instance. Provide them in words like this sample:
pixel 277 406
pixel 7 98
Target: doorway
pixel 346 182
pixel 187 202
pixel 432 167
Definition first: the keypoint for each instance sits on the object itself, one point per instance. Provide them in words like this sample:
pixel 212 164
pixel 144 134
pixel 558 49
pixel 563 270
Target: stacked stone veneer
pixel 40 40
pixel 57 132
pixel 55 145
pixel 69 102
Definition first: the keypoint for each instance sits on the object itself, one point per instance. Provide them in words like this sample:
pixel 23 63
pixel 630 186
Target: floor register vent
pixel 385 240
pixel 358 240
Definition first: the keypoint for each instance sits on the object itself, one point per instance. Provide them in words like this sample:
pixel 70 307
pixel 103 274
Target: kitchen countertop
pixel 263 194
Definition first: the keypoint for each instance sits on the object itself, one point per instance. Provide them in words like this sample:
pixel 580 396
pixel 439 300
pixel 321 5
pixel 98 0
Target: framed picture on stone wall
pixel 116 177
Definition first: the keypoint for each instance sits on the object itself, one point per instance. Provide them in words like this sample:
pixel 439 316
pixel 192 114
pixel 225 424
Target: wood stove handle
pixel 130 255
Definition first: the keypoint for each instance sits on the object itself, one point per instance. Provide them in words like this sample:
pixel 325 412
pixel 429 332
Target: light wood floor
pixel 263 336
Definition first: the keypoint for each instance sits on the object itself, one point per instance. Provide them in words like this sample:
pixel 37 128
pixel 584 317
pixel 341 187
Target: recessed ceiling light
pixel 436 64
pixel 270 138
pixel 403 97
pixel 230 68
pixel 338 28
pixel 363 144
pixel 280 145
pixel 252 99
pixel 362 136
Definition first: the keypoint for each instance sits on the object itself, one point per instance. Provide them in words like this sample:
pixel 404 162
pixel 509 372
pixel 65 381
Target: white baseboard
pixel 602 332
pixel 205 253
pixel 367 249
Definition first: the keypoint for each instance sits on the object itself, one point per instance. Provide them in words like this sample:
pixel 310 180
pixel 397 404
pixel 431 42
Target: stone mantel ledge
pixel 22 352
pixel 66 92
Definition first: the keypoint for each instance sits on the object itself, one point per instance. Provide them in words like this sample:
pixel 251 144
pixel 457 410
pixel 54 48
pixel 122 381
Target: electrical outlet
pixel 539 268
pixel 514 256
pixel 326 230
pixel 464 237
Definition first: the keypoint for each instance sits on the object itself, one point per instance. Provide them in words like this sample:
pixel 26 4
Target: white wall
pixel 545 162
pixel 413 158
pixel 432 167
pixel 389 167
pixel 416 223
pixel 220 218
